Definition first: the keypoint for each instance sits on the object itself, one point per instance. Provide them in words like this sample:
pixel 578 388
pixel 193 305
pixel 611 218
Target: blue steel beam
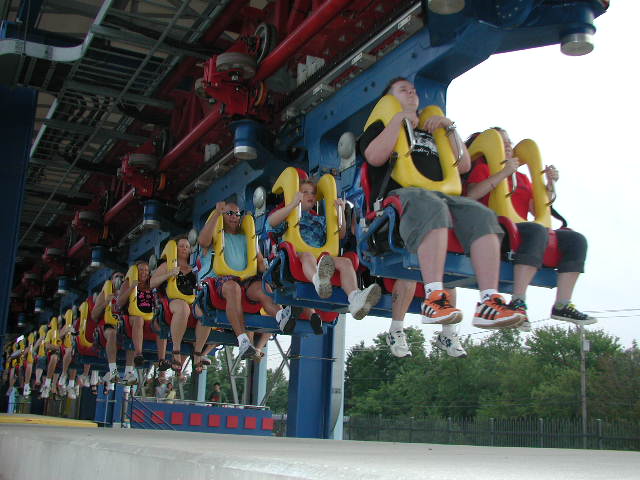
pixel 310 376
pixel 16 130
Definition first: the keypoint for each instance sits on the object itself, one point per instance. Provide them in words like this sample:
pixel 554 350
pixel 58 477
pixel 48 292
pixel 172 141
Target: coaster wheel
pixel 268 37
pixel 236 61
pixel 143 161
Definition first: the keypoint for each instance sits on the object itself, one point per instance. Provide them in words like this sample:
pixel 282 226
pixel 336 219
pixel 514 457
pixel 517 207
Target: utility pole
pixel 584 348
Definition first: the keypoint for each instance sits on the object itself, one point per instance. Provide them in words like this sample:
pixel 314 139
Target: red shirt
pixel 520 198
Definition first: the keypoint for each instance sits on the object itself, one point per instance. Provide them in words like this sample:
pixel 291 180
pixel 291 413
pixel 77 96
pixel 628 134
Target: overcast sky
pixel 581 112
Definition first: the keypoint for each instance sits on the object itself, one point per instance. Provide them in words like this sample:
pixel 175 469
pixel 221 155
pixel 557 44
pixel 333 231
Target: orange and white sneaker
pixel 437 309
pixel 494 313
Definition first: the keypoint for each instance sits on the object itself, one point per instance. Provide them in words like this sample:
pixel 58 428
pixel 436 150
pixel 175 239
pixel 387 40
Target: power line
pixel 614 310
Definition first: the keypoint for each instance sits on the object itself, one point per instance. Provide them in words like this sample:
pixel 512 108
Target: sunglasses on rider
pixel 231 213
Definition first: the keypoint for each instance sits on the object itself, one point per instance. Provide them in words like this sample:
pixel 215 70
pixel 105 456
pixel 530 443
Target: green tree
pixel 278 399
pixel 502 377
pixel 614 389
pixel 367 368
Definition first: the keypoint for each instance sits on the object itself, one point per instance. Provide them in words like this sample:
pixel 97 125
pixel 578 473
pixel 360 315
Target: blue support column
pixel 259 378
pixel 202 386
pixel 16 131
pixel 337 381
pixel 308 415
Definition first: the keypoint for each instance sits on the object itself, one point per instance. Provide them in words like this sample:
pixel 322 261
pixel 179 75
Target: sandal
pixel 198 366
pixel 176 364
pixel 259 355
pixel 164 365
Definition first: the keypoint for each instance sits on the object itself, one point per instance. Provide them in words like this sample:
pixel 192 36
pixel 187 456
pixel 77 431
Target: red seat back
pixel 147 331
pixel 221 304
pixel 191 322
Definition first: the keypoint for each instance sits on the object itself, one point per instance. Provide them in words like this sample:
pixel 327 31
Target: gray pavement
pixel 41 452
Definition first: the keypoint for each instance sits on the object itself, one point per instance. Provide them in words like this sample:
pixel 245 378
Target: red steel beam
pixel 307 29
pixel 205 125
pixel 126 199
pixel 80 244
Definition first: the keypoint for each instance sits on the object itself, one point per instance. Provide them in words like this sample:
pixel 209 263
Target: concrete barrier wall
pixel 56 453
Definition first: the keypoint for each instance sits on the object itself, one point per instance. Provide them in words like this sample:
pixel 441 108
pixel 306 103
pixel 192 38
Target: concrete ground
pixel 30 452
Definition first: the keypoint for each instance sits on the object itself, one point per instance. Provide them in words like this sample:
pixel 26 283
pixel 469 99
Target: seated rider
pixel 28 367
pixel 145 303
pixel 52 345
pixel 41 355
pixel 110 327
pixel 313 230
pixel 427 216
pixel 534 237
pixel 231 287
pixel 186 282
pixel 67 333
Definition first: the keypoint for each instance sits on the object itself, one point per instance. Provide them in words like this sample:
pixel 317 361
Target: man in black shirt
pixel 426 217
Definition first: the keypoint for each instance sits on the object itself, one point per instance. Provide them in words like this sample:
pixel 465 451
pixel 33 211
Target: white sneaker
pixel 450 344
pixel 322 279
pixel 63 379
pixel 71 393
pixel 76 389
pixel 62 390
pixel 44 391
pixel 26 391
pixel 83 380
pixel 282 317
pixel 397 342
pixel 246 350
pixel 363 300
pixel 111 376
pixel 130 379
pixel 525 326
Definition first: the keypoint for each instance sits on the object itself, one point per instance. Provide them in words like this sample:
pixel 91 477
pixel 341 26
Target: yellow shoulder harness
pixel 52 334
pixel 21 358
pixel 31 339
pixel 405 172
pixel 82 327
pixel 170 254
pixel 288 183
pixel 68 322
pixel 490 145
pixel 220 266
pixel 132 276
pixel 109 317
pixel 42 334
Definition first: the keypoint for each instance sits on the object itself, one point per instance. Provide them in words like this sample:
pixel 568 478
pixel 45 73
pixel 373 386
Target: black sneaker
pixel 316 323
pixel 569 313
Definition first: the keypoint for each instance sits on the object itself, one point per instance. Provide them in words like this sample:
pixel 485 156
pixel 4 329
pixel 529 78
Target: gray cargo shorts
pixel 425 210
